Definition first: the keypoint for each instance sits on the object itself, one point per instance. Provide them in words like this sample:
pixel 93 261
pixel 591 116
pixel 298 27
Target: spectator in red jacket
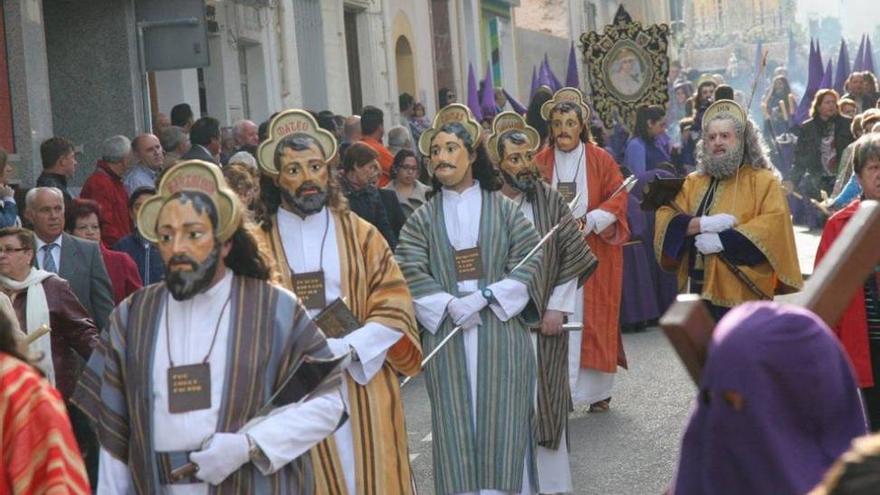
pixel 105 187
pixel 83 221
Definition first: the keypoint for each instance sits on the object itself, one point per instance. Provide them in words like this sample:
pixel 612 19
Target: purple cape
pixel 778 403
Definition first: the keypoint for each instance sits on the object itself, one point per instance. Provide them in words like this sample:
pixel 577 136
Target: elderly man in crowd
pixel 149 158
pixel 76 260
pixel 175 143
pixel 105 186
pixel 246 137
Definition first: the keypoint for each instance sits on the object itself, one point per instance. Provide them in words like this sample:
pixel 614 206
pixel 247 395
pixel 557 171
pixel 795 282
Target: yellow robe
pixel 755 198
pixel 375 290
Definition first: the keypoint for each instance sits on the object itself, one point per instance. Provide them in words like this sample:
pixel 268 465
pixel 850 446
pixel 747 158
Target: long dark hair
pixel 399 158
pixel 245 258
pixel 646 114
pixel 482 170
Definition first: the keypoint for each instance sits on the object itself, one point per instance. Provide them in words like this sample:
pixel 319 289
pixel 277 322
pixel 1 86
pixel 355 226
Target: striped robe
pixel 374 290
pixel 270 335
pixel 566 257
pixel 40 454
pixel 492 456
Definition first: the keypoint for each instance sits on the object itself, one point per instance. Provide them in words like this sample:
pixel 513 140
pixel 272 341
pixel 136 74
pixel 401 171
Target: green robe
pixel 270 334
pixel 491 457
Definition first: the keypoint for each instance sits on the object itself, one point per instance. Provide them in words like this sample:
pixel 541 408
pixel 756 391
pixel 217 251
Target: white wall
pixel 177 86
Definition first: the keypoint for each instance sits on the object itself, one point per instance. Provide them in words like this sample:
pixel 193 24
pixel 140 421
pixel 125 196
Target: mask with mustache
pixel 184 284
pixel 302 204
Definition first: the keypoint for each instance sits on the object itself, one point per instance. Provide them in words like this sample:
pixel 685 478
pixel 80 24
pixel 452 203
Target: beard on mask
pixel 524 182
pixel 185 284
pixel 723 166
pixel 304 205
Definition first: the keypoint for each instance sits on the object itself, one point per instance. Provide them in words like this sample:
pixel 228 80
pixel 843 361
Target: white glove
pixel 717 223
pixel 589 223
pixel 225 454
pixel 465 311
pixel 600 220
pixel 708 243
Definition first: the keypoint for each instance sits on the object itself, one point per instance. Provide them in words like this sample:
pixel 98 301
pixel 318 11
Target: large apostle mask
pixel 191 219
pixel 512 145
pixel 297 157
pixel 568 116
pixel 451 144
pixel 721 150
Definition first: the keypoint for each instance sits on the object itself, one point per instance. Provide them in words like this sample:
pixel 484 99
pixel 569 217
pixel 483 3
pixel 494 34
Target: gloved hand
pixel 708 243
pixel 589 224
pixel 223 455
pixel 465 311
pixel 717 223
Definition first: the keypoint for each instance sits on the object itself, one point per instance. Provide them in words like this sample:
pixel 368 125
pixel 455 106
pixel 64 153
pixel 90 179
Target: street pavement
pixel 633 448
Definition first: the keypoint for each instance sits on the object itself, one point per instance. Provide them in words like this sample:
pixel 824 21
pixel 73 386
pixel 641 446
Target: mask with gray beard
pixel 305 205
pixel 185 284
pixel 724 166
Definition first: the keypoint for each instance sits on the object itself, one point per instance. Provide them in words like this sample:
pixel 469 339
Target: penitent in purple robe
pixel 778 403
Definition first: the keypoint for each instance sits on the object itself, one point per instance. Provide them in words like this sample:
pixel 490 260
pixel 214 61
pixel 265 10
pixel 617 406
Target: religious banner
pixel 628 67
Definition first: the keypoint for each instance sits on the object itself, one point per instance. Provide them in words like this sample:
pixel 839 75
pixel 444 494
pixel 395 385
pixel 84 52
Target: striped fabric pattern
pixel 566 257
pixel 270 335
pixel 491 457
pixel 40 454
pixel 375 290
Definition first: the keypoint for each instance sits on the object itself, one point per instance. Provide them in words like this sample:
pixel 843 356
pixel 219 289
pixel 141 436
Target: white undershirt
pixel 301 239
pixel 574 163
pixel 285 435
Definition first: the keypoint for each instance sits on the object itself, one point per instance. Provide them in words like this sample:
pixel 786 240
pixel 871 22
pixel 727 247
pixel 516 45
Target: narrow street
pixel 633 448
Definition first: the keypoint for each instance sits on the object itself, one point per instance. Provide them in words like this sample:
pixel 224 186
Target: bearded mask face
pixel 450 159
pixel 518 165
pixel 303 179
pixel 188 246
pixel 722 152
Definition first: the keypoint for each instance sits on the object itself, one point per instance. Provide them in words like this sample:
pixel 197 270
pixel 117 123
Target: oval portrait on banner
pixel 627 70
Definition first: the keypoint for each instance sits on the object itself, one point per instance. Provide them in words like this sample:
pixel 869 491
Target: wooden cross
pixel 828 292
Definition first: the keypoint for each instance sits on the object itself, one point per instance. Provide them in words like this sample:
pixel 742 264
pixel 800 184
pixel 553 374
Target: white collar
pixel 573 154
pixel 474 189
pixel 286 217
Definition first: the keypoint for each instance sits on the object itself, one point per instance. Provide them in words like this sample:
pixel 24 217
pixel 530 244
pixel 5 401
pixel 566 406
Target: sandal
pixel 600 406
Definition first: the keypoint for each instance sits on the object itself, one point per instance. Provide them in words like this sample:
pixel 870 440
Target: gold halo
pixel 724 108
pixel 192 175
pixel 509 121
pixel 455 112
pixel 287 123
pixel 567 94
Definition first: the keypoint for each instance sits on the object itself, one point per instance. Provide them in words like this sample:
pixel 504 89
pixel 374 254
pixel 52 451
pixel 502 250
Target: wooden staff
pixel 36 334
